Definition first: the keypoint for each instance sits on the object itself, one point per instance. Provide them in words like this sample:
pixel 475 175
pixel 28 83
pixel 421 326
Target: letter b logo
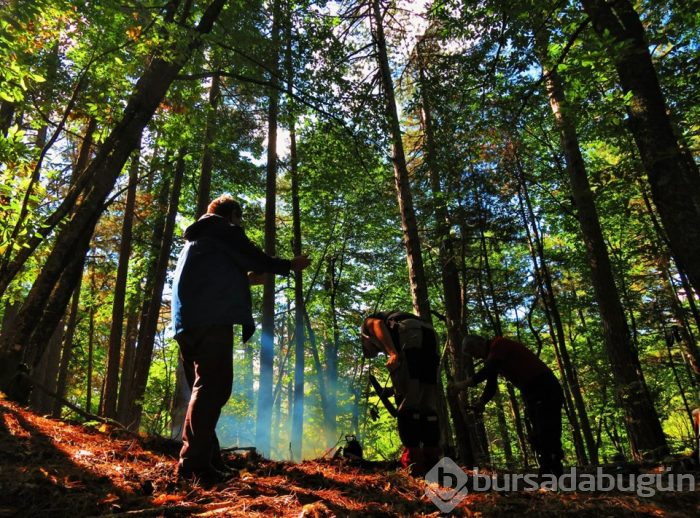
pixel 446 484
pixel 446 478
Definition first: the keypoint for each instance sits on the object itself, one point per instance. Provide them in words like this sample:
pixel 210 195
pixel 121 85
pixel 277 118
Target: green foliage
pixel 62 69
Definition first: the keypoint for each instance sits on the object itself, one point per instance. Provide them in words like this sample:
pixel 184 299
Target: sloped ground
pixel 51 468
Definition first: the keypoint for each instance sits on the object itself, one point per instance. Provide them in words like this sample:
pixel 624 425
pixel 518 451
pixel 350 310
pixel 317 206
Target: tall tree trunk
pixel 286 449
pixel 322 389
pixel 411 239
pixel 475 424
pixel 416 272
pixel 149 324
pixel 247 380
pixel 682 331
pixel 103 171
pixel 448 268
pixel 91 342
pixel 331 388
pixel 70 277
pixel 542 42
pixel 674 180
pixel 498 331
pixel 692 351
pixel 691 297
pixel 669 340
pixel 277 426
pixel 8 317
pixel 574 404
pixel 519 425
pixel 124 402
pixel 126 410
pixel 109 400
pixel 267 340
pixel 41 401
pixel 643 426
pixel 299 356
pixel 56 304
pixel 67 354
pixel 204 190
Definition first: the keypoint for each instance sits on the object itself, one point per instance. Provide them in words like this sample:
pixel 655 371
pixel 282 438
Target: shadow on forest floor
pixel 41 473
pixel 52 468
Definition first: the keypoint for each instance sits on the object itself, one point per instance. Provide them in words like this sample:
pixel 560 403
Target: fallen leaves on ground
pixel 52 468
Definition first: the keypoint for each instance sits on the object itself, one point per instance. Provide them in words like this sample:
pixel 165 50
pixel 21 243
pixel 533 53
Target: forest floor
pixel 53 468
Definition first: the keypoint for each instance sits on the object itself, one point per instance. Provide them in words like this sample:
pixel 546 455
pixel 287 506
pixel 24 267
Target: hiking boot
pixel 412 458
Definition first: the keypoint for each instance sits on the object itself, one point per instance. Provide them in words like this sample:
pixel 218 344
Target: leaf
pixel 167 499
pixel 6 96
pixel 110 499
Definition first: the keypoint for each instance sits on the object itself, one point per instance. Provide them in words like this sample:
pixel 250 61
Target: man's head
pixel 369 348
pixel 476 346
pixel 226 207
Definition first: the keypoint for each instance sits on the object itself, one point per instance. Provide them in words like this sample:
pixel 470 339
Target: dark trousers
pixel 207 358
pixel 415 384
pixel 543 403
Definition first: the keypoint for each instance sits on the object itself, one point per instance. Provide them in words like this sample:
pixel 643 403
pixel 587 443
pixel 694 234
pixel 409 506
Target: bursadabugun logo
pixel 447 484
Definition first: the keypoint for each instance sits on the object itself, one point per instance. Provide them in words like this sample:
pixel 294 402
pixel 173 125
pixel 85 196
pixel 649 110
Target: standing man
pixel 411 345
pixel 539 387
pixel 211 294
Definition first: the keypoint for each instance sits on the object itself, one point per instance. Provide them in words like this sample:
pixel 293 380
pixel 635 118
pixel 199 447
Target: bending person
pixel 539 387
pixel 411 345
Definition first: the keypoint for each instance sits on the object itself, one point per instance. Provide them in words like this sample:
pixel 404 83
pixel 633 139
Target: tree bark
pixel 124 402
pixel 692 351
pixel 299 356
pixel 109 400
pixel 411 239
pixel 47 371
pixel 8 318
pixel 91 342
pixel 149 324
pixel 247 380
pixel 449 271
pixel 414 257
pixel 204 190
pixel 543 279
pixel 674 180
pixel 267 340
pixel 669 339
pixel 331 350
pixel 67 351
pixel 643 426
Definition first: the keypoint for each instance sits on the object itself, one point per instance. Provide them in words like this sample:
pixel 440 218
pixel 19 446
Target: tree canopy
pixel 526 169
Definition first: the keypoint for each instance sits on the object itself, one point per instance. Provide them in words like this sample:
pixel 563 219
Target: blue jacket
pixel 211 284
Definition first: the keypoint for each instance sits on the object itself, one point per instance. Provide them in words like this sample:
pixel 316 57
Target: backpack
pixel 407 330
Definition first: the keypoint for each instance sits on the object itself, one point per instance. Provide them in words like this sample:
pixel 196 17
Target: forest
pixel 523 169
